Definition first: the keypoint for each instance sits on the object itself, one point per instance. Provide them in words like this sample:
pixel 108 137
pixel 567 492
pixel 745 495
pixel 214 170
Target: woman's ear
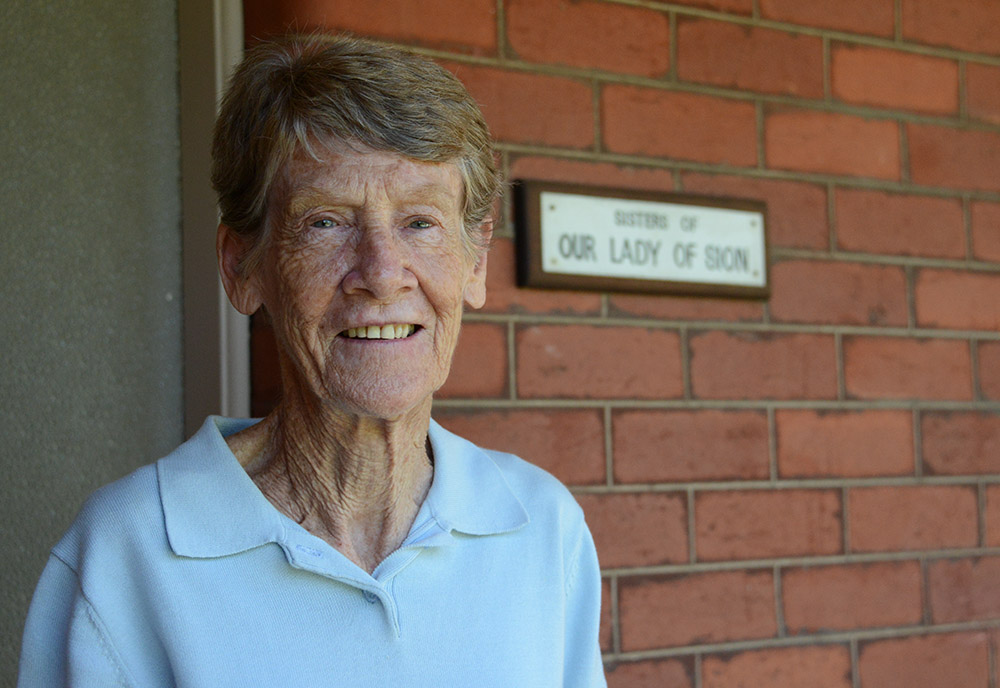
pixel 475 288
pixel 243 290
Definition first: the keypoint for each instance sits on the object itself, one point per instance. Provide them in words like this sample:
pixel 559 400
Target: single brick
pixel 726 365
pixel 876 17
pixel 766 524
pixel 684 308
pixel 989 370
pixel 982 92
pixel 479 367
pixel 940 156
pixel 956 299
pixel 889 519
pixel 592 173
pixel 566 32
pixel 892 79
pixel 964 589
pixel 961 443
pixel 796 211
pixel 899 224
pixel 641 529
pixel 749 59
pixel 680 446
pixel 566 103
pixel 992 516
pixel 585 362
pixel 688 126
pixel 825 666
pixel 675 673
pixel 845 597
pixel 504 296
pixel 967 25
pixel 468 26
pixel 838 293
pixel 899 368
pixel 833 143
pixel 986 231
pixel 568 443
pixel 926 661
pixel 844 444
pixel 673 611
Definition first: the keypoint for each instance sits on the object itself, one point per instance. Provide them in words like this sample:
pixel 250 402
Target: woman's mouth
pixel 391 331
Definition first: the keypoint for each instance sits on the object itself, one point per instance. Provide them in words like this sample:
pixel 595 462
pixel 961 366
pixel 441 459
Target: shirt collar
pixel 469 492
pixel 212 508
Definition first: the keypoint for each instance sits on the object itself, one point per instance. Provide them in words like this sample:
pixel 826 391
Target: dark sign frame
pixel 528 230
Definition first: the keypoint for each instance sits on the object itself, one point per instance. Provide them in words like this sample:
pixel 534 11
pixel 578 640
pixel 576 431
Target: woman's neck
pixel 353 481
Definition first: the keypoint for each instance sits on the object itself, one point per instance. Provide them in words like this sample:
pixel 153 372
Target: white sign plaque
pixel 625 240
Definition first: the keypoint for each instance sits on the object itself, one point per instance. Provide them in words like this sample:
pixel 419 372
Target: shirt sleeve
pixel 64 640
pixel 583 667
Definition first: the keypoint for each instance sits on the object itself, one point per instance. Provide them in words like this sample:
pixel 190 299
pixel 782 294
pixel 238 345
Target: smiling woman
pixel 346 538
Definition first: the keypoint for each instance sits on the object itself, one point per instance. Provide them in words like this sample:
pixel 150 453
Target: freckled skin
pixel 358 238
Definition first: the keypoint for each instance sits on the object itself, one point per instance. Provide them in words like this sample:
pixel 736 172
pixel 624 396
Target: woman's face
pixel 365 277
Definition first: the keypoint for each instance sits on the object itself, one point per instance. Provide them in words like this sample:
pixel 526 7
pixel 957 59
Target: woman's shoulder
pixel 113 515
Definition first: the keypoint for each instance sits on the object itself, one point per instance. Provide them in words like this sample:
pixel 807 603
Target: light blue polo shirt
pixel 183 574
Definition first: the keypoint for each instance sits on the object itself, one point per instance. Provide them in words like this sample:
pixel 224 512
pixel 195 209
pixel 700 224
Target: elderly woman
pixel 346 539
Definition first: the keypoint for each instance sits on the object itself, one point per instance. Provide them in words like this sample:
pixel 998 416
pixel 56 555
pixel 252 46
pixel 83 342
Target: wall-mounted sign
pixel 578 237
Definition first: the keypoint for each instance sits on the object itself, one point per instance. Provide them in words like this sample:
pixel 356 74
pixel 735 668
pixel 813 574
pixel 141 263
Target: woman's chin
pixel 382 402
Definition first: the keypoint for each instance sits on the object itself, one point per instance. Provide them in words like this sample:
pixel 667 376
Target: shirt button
pixel 370 597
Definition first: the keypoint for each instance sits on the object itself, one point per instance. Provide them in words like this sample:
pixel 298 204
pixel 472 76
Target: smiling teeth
pixel 383 332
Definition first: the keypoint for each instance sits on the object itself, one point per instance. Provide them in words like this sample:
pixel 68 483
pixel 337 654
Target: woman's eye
pixel 420 224
pixel 325 223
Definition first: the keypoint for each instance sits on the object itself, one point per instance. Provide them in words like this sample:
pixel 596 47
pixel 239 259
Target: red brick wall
pixel 798 492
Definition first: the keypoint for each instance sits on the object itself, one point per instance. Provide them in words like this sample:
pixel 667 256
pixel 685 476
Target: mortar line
pixel 855 663
pixel 831 215
pixel 511 361
pixel 759 115
pixel 926 617
pixel 981 513
pixel 501 33
pixel 909 188
pixel 845 515
pixel 595 105
pixel 672 48
pixel 832 638
pixel 692 543
pixel 970 247
pixel 839 366
pixel 779 606
pixel 772 442
pixel 977 387
pixel 733 326
pixel 827 71
pixel 724 405
pixel 992 656
pixel 609 471
pixel 684 336
pixel 963 108
pixel 616 633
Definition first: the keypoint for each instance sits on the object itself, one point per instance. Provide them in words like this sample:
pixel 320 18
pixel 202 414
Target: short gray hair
pixel 291 93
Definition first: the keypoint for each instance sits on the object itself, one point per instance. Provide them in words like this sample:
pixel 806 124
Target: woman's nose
pixel 381 266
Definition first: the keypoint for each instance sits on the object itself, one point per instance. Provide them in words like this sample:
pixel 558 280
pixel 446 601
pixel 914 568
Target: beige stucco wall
pixel 90 340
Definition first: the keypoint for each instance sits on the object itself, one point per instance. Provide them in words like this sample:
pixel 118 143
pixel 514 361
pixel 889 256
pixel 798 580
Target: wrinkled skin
pixel 359 238
pixel 367 239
